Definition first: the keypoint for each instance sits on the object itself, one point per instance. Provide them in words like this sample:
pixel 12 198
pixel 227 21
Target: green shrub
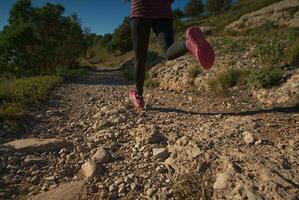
pixel 264 77
pixel 271 52
pixel 293 54
pixel 231 45
pixel 266 30
pixel 225 80
pixel 19 93
pixel 293 35
pixel 39 40
pixel 292 51
pixel 293 10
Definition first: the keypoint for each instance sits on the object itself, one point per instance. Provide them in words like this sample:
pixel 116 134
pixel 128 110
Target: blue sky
pixel 101 16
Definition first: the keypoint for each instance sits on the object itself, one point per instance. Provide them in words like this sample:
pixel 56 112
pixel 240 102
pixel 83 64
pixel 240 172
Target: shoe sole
pixel 200 48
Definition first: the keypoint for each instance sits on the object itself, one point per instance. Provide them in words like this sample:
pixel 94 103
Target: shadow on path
pixel 294 109
pixel 102 76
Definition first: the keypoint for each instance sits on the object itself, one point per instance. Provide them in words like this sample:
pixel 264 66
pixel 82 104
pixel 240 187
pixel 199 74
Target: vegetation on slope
pixel 16 94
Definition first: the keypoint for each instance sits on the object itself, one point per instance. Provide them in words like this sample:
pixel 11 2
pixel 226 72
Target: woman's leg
pixel 140 35
pixel 195 43
pixel 163 29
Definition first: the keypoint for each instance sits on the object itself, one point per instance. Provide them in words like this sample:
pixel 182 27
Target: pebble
pixel 50 178
pixel 160 153
pixel 133 186
pixel 150 192
pixel 248 138
pixel 34 179
pixel 102 156
pixel 122 188
pixel 112 188
pixel 118 181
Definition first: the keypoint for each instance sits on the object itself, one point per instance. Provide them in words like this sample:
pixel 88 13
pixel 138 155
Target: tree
pixel 178 14
pixel 40 40
pixel 215 6
pixel 121 38
pixel 21 12
pixel 194 8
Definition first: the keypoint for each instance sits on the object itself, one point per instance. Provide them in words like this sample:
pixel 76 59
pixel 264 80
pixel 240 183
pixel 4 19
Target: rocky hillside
pixel 183 74
pixel 283 13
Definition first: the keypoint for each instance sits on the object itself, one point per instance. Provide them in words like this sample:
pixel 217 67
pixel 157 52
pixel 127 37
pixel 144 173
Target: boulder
pixel 91 168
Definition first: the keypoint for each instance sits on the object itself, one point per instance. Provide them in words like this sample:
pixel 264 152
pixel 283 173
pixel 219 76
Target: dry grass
pixel 195 186
pixel 16 94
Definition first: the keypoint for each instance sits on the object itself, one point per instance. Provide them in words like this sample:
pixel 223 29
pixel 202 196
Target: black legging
pixel 163 29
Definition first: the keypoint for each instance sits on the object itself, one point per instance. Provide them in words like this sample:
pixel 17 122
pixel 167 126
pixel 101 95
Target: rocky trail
pixel 88 142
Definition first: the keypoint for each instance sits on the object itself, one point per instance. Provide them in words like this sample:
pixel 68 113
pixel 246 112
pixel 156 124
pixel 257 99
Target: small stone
pixel 118 181
pixel 13 159
pixel 45 187
pixel 90 168
pixel 34 160
pixel 248 138
pixel 122 188
pixel 34 179
pixel 146 154
pixel 63 151
pixel 159 169
pixel 150 192
pixel 70 156
pixel 221 181
pixel 160 153
pixel 163 195
pixel 128 180
pixel 112 188
pixel 50 178
pixel 102 155
pixel 53 186
pixel 194 151
pixel 258 142
pixel 133 186
pixel 183 141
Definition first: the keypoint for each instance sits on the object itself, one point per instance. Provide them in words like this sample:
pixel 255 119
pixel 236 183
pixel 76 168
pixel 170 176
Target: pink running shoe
pixel 199 47
pixel 138 102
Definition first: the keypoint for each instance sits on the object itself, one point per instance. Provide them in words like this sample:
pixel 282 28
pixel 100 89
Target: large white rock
pixel 35 145
pixel 68 191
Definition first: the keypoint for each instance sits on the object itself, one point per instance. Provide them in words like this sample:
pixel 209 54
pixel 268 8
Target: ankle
pixel 138 96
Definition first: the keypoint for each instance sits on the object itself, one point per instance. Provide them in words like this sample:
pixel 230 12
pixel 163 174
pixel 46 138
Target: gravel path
pixel 183 145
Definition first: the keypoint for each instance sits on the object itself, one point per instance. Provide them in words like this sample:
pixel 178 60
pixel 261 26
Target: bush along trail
pixel 88 142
